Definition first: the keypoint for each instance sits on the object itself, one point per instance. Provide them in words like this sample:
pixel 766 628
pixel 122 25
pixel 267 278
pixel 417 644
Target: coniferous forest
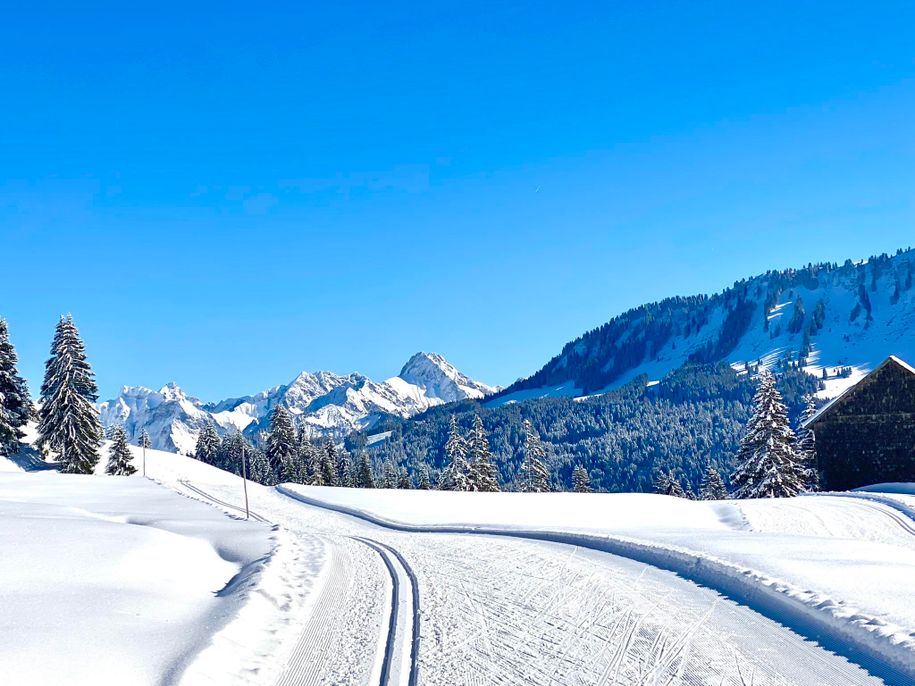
pixel 693 419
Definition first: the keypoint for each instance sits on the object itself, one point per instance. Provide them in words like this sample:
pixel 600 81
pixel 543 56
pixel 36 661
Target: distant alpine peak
pixel 441 379
pixel 322 402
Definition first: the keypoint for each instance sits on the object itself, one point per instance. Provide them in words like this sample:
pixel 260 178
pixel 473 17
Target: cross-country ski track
pixel 506 607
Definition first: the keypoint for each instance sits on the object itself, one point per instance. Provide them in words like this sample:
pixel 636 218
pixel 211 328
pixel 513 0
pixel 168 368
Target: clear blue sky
pixel 224 194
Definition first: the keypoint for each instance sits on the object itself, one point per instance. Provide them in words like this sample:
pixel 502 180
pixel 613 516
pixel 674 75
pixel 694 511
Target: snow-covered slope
pixel 323 402
pixel 844 319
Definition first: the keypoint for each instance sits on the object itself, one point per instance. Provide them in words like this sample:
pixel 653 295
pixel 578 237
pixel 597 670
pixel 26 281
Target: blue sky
pixel 225 194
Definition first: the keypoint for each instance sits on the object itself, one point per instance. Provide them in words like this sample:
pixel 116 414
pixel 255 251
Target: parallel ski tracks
pixel 208 496
pixel 395 633
pixel 314 644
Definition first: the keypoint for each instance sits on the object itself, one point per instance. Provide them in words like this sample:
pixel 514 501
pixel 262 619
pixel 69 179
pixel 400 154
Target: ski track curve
pixel 885 506
pixel 760 599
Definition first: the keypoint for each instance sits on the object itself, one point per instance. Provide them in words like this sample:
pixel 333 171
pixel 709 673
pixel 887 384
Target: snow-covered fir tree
pixel 403 479
pixel 308 463
pixel 456 475
pixel 666 483
pixel 712 486
pixel 207 444
pixel 330 467
pixel 119 454
pixel 363 475
pixel 281 446
pixel 534 476
pixel 806 446
pixel 327 464
pixel 768 465
pixel 344 469
pixel 68 423
pixel 388 475
pixel 581 482
pixel 425 483
pixel 15 403
pixel 144 441
pixel 483 474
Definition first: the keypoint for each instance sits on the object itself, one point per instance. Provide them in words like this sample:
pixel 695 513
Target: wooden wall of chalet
pixel 868 437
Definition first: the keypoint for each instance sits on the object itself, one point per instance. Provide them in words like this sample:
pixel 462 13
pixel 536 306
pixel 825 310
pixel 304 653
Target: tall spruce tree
pixel 388 475
pixel 425 482
pixel 308 463
pixel 534 476
pixel 119 454
pixel 456 476
pixel 144 441
pixel 207 444
pixel 68 423
pixel 15 404
pixel 281 446
pixel 581 482
pixel 667 484
pixel 363 476
pixel 328 463
pixel 483 474
pixel 806 446
pixel 712 486
pixel 403 479
pixel 768 465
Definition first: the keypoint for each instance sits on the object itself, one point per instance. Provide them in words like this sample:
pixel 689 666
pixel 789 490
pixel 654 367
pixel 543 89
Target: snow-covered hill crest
pixel 323 402
pixel 845 318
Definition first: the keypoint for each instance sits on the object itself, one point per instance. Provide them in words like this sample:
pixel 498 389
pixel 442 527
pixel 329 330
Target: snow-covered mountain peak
pixel 441 379
pixel 323 402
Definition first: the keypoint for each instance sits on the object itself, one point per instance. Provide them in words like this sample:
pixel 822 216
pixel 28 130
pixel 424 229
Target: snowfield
pixel 117 580
pixel 347 586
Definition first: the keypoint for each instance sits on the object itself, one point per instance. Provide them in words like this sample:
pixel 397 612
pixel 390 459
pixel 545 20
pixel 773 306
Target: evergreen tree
pixel 144 441
pixel 119 454
pixel 456 476
pixel 668 484
pixel 68 422
pixel 388 475
pixel 207 444
pixel 363 476
pixel 483 474
pixel 15 404
pixel 424 481
pixel 344 469
pixel 768 466
pixel 403 479
pixel 534 475
pixel 281 446
pixel 712 486
pixel 581 482
pixel 328 464
pixel 806 447
pixel 308 463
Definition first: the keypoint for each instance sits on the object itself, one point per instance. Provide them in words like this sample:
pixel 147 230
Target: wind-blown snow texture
pixel 854 315
pixel 324 402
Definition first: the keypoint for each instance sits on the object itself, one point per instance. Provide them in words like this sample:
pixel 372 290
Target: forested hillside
pixel 825 314
pixel 693 417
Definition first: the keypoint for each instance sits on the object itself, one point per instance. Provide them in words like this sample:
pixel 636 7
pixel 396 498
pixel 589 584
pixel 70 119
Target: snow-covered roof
pixel 851 389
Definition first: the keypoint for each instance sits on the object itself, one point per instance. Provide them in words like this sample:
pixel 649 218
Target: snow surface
pixel 115 580
pixel 826 546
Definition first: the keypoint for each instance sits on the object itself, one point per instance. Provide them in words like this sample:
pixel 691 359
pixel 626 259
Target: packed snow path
pixel 513 611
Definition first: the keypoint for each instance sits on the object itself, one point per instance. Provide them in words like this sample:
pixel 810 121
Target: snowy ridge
pixel 852 317
pixel 322 402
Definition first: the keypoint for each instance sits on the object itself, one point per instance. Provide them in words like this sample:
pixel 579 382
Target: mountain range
pixel 323 403
pixel 842 319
